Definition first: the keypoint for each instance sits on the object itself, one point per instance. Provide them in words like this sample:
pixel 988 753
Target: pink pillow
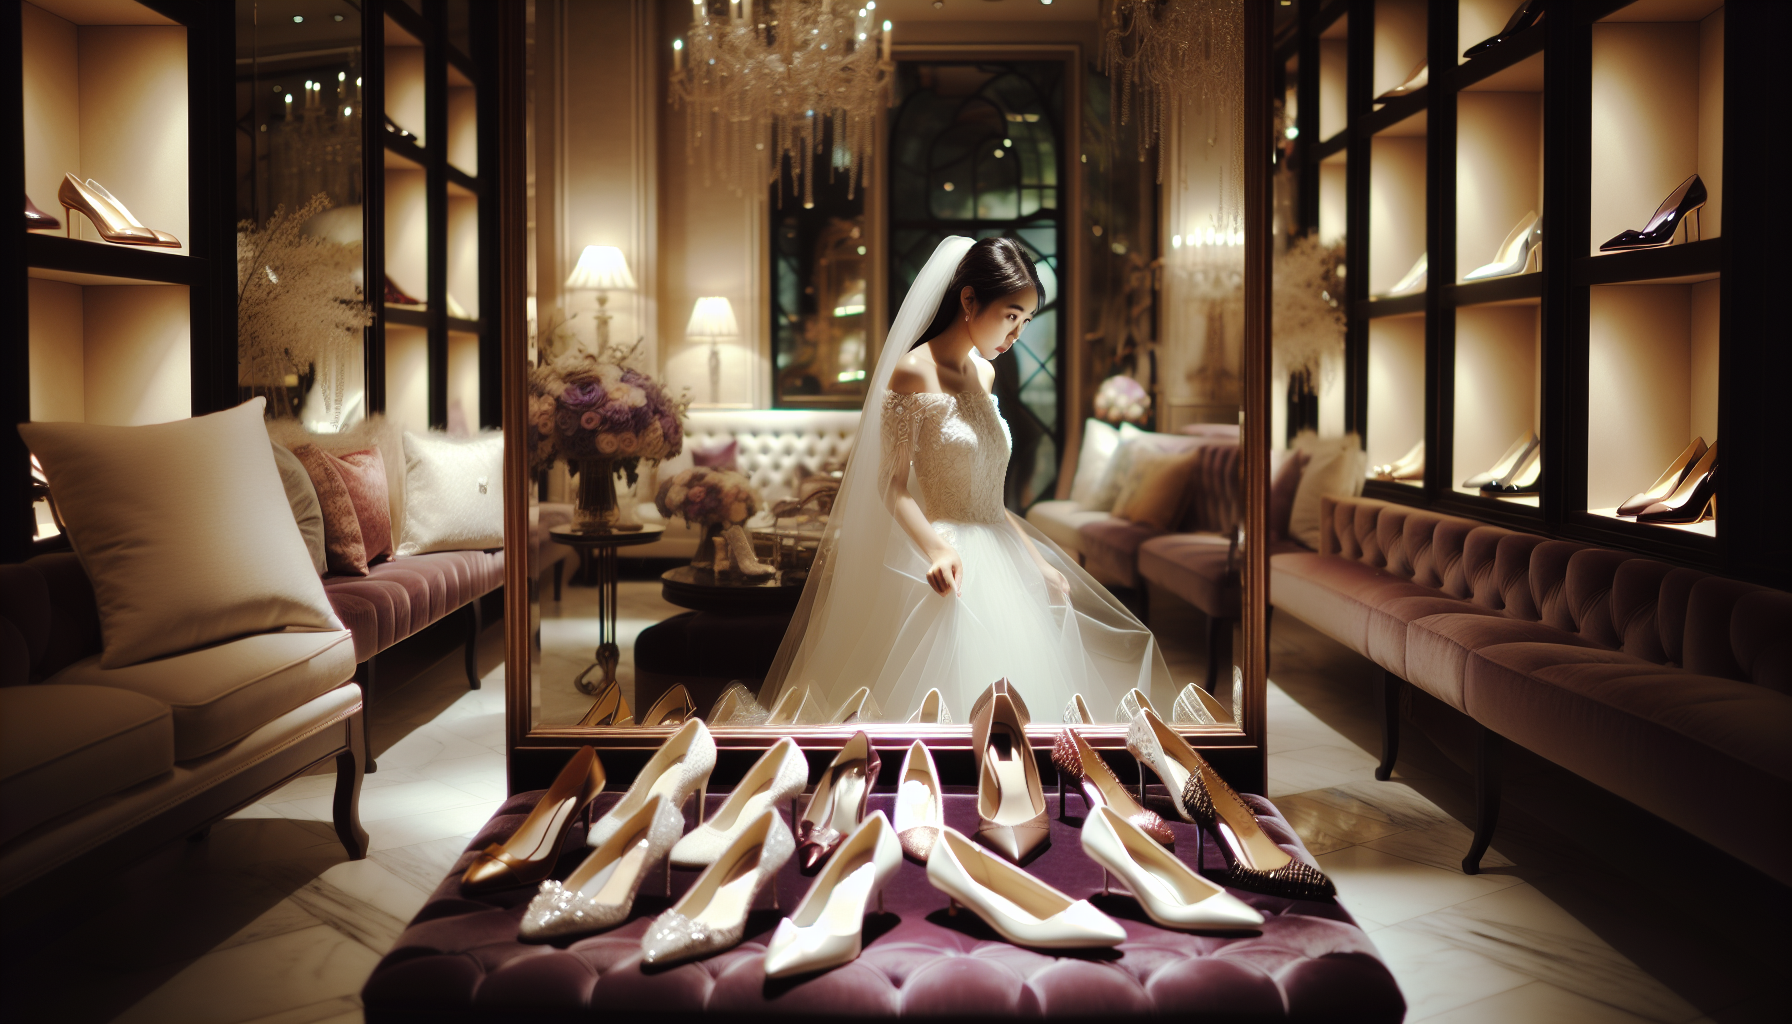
pixel 1281 493
pixel 357 512
pixel 717 456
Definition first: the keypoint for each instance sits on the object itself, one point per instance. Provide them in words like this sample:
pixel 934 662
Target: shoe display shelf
pixel 433 360
pixel 1617 360
pixel 127 95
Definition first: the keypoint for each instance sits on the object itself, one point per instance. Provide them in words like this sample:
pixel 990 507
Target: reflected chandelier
pixel 765 79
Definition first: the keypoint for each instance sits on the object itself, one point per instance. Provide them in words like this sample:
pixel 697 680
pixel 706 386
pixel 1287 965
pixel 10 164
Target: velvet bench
pixel 460 960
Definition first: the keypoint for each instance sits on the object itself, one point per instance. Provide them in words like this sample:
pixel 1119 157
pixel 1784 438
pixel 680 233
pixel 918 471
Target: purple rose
pixel 583 396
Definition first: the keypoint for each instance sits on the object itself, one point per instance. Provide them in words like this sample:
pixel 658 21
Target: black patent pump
pixel 1688 198
pixel 1528 15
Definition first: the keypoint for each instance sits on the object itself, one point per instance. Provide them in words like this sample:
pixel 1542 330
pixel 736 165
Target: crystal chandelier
pixel 773 79
pixel 1170 57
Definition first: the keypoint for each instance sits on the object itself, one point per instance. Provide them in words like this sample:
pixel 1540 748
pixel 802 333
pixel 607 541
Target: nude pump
pixel 1011 813
pixel 114 227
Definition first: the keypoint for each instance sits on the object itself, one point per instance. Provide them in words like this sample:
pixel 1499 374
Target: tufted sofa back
pixel 776 448
pixel 1661 613
pixel 48 619
pixel 1215 490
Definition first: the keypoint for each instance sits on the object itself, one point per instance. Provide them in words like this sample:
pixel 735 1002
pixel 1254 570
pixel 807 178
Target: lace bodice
pixel 958 445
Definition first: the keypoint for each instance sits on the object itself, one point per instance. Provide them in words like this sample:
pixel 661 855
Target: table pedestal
pixel 602 547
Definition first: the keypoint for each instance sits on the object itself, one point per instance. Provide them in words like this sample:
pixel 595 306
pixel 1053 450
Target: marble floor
pixel 265 921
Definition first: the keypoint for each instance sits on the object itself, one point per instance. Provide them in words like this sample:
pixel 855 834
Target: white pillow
pixel 1336 469
pixel 454 494
pixel 184 529
pixel 1099 441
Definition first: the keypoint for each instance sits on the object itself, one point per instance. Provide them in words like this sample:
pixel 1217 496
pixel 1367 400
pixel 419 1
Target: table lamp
pixel 601 268
pixel 712 319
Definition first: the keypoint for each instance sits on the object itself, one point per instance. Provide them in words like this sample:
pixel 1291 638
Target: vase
pixel 705 558
pixel 597 510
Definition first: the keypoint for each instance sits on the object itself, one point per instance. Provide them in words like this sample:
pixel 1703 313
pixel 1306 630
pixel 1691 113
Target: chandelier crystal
pixel 776 79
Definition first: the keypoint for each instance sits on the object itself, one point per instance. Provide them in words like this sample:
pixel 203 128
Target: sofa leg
pixel 559 572
pixel 1389 685
pixel 478 625
pixel 1487 795
pixel 347 808
pixel 364 676
pixel 1219 651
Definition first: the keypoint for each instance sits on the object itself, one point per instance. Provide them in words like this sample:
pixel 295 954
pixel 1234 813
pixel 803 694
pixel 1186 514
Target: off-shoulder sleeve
pixel 898 436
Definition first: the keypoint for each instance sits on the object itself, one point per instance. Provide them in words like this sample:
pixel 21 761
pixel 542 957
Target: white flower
pixel 606 443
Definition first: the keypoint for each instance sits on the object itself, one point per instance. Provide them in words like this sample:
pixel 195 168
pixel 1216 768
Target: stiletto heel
pixel 952 907
pixel 1104 881
pixel 1667 483
pixel 672 708
pixel 1694 501
pixel 1687 199
pixel 1100 788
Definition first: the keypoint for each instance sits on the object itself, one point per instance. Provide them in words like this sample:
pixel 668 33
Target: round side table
pixel 603 558
pixel 700 590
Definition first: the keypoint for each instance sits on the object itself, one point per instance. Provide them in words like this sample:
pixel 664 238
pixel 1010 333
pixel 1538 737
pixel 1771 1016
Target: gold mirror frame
pixel 536 752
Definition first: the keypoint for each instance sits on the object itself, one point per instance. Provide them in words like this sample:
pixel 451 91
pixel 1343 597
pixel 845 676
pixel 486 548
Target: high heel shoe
pixel 1170 893
pixel 1011 814
pixel 1524 476
pixel 1195 706
pixel 679 768
pixel 712 916
pixel 601 891
pixel 1668 483
pixel 163 239
pixel 393 128
pixel 920 805
pixel 1695 500
pixel 1688 198
pixel 610 708
pixel 396 296
pixel 38 220
pixel 1076 712
pixel 738 706
pixel 1155 746
pixel 932 710
pixel 1415 80
pixel 1134 702
pixel 1528 14
pixel 1503 467
pixel 672 708
pixel 1019 907
pixel 1001 685
pixel 839 801
pixel 795 706
pixel 827 928
pixel 777 777
pixel 1410 466
pixel 529 854
pixel 1413 282
pixel 858 708
pixel 113 226
pixel 1073 757
pixel 1514 255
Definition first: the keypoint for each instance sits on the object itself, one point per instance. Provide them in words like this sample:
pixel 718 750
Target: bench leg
pixel 347 808
pixel 1389 685
pixel 364 676
pixel 478 616
pixel 1487 795
pixel 1219 651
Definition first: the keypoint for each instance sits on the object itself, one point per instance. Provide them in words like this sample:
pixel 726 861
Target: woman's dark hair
pixel 993 267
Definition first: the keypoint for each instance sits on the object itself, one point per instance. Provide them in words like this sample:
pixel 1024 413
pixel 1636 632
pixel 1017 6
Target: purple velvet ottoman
pixel 460 960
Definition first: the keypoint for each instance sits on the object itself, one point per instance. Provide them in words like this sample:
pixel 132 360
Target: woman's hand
pixel 946 572
pixel 1054 580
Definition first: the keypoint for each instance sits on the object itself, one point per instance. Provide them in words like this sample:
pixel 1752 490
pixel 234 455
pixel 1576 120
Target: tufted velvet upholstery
pixel 400 597
pixel 1668 686
pixel 459 960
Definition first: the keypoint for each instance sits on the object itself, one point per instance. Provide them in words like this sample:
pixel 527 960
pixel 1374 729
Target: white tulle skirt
pixel 1005 621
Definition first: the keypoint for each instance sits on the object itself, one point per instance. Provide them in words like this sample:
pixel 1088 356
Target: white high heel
pixel 932 710
pixel 858 708
pixel 920 807
pixel 795 706
pixel 601 891
pixel 1195 706
pixel 1504 466
pixel 1170 893
pixel 672 708
pixel 778 776
pixel 1131 704
pixel 679 768
pixel 1076 712
pixel 1413 282
pixel 1514 253
pixel 827 928
pixel 712 916
pixel 1020 908
pixel 737 706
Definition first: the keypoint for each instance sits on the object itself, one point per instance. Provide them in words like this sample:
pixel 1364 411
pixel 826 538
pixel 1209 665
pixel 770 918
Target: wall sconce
pixel 601 268
pixel 712 319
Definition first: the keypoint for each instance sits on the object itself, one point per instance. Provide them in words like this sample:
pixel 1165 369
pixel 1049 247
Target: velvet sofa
pixel 1665 685
pixel 98 766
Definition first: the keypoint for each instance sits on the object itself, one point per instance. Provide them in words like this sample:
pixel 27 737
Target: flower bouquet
pixel 602 417
pixel 1120 399
pixel 720 501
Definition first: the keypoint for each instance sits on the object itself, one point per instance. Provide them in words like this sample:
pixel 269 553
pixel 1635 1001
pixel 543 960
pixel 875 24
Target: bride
pixel 923 579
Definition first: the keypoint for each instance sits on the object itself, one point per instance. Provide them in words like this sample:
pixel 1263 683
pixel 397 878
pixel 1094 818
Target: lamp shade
pixel 712 317
pixel 601 267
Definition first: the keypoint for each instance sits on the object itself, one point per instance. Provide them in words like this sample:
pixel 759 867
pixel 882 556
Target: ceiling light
pixel 298 19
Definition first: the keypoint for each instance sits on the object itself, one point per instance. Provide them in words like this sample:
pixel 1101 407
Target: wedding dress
pixel 868 616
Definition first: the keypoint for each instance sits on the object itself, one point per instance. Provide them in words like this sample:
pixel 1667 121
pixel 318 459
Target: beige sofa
pixel 99 766
pixel 775 448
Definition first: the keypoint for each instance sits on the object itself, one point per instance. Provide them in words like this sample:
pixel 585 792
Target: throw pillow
pixel 376 431
pixel 1281 492
pixel 184 530
pixel 454 498
pixel 1099 441
pixel 1335 467
pixel 721 455
pixel 1156 489
pixel 345 550
pixel 301 494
